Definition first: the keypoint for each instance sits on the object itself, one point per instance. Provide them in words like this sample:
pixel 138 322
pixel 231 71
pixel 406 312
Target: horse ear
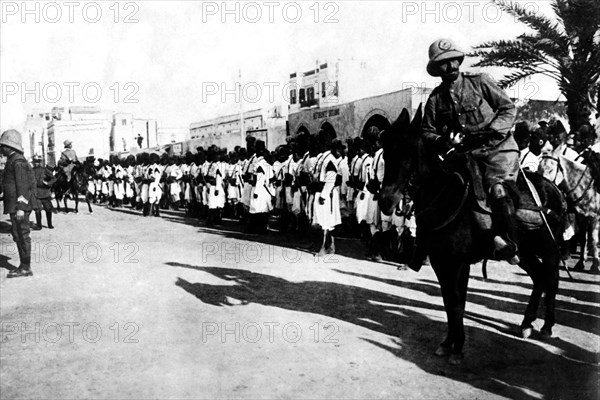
pixel 402 122
pixel 415 125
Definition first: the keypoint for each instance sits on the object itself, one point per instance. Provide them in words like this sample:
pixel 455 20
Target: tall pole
pixel 242 130
pixel 43 149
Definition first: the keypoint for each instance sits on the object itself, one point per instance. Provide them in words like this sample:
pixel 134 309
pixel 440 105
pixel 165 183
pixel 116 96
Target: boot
pixel 38 220
pixel 49 219
pixel 505 244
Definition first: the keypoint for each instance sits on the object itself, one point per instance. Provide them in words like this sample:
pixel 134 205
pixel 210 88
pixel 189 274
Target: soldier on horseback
pixel 470 112
pixel 67 159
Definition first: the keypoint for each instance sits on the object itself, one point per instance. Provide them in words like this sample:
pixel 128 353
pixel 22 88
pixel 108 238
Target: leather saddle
pixel 524 194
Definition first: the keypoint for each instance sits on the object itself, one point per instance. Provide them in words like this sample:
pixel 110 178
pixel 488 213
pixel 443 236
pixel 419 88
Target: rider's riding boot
pixel 49 219
pixel 505 244
pixel 38 220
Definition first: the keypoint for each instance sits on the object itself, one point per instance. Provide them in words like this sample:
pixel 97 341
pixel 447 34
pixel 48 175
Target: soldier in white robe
pixel 261 199
pixel 363 166
pixel 327 199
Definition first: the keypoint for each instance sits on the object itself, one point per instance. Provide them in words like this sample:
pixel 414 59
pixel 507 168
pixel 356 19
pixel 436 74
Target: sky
pixel 175 61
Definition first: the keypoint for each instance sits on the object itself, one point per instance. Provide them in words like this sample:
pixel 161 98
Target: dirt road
pixel 126 307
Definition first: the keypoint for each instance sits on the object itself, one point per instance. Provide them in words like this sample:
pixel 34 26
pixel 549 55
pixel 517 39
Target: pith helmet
pixel 68 143
pixel 36 158
pixel 442 50
pixel 11 138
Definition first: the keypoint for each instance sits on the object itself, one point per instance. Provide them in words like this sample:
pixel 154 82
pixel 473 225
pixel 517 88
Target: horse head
pixel 401 143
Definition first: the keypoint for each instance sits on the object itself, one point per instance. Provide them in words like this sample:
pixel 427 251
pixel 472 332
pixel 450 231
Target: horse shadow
pixel 574 315
pixel 539 370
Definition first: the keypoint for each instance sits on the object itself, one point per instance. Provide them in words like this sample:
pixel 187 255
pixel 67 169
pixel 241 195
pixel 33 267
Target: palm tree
pixel 566 48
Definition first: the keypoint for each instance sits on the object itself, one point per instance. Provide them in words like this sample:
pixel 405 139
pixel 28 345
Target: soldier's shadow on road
pixel 5 264
pixel 492 356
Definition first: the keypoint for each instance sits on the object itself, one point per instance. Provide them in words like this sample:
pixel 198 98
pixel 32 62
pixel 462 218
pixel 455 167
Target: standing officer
pixel 44 181
pixel 471 110
pixel 19 198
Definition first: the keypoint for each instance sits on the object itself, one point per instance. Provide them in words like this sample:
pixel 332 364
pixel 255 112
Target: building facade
pixel 267 124
pixel 330 83
pixel 130 134
pixel 356 117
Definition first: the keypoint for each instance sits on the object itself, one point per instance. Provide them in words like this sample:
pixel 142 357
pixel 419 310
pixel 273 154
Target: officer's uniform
pixel 19 187
pixel 67 158
pixel 44 181
pixel 473 104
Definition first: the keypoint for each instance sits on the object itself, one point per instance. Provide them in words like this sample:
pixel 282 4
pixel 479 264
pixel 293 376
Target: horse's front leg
pixel 76 198
pixel 534 268
pixel 453 278
pixel 65 201
pixel 88 198
pixel 551 279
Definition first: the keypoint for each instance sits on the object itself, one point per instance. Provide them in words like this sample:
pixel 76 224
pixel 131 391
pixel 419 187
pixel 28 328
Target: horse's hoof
pixel 442 351
pixel 545 334
pixel 526 332
pixel 456 359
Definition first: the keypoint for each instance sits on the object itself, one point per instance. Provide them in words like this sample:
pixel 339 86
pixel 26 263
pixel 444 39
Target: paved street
pixel 127 307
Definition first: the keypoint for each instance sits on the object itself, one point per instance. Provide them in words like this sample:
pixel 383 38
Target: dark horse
pixel 78 184
pixel 452 236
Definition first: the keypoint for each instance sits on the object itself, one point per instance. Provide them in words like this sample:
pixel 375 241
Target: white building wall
pixel 88 137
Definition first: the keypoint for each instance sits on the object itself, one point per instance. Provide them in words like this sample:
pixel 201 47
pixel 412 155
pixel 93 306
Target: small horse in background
pixel 80 177
pixel 449 231
pixel 582 193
